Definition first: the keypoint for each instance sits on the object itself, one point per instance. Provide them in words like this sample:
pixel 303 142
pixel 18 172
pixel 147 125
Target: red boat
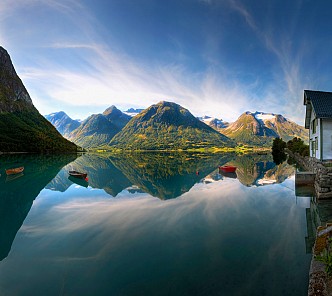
pixel 14 171
pixel 227 168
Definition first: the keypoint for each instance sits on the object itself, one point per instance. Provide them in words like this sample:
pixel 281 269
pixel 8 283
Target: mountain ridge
pixel 167 125
pixel 99 129
pixel 259 128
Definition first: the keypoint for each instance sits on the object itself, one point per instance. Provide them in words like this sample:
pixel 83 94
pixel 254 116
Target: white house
pixel 318 119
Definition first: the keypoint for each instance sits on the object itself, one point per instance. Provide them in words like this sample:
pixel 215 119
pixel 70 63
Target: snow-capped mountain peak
pixel 264 116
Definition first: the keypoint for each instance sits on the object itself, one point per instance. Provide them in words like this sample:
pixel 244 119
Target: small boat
pixel 79 181
pixel 78 174
pixel 227 168
pixel 14 171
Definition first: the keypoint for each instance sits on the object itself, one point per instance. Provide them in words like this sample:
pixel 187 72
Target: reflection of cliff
pixel 17 195
pixel 60 182
pixel 102 174
pixel 167 175
pixel 261 170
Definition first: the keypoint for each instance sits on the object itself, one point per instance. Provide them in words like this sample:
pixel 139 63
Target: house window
pixel 314 125
pixel 313 145
pixel 316 143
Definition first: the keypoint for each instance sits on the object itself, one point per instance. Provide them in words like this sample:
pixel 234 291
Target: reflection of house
pixel 318 120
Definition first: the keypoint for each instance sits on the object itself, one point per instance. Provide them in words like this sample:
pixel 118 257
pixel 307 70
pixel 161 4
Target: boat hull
pixel 14 171
pixel 79 181
pixel 227 169
pixel 78 174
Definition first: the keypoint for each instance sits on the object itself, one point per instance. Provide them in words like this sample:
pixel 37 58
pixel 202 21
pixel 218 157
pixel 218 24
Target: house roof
pixel 321 102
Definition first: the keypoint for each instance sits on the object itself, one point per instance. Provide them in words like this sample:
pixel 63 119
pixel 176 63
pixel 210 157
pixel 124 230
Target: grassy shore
pixel 237 149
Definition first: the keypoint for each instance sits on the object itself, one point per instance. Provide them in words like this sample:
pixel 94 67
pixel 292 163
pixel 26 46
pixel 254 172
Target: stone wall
pixel 318 278
pixel 322 171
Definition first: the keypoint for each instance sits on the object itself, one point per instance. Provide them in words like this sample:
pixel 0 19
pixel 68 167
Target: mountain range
pixel 22 127
pixel 162 126
pixel 165 126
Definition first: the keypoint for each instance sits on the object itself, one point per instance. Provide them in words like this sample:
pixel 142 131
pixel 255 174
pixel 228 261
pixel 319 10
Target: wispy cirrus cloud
pixel 82 69
pixel 289 81
pixel 105 77
pixel 116 79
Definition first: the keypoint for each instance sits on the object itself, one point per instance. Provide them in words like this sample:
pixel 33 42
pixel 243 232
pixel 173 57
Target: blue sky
pixel 214 57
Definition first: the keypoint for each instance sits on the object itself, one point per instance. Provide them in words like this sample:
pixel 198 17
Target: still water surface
pixel 152 224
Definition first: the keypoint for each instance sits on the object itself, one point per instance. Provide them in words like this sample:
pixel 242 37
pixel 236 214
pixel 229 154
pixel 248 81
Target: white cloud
pixel 93 74
pixel 285 93
pixel 114 79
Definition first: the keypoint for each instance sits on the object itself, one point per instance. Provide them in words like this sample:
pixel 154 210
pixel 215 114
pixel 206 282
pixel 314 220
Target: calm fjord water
pixel 152 224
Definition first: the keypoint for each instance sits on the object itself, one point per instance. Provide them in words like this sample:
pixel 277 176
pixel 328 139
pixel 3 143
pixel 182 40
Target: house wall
pixel 326 140
pixel 314 137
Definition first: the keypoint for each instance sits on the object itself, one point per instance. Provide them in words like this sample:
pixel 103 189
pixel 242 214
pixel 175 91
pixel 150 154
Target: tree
pixel 278 150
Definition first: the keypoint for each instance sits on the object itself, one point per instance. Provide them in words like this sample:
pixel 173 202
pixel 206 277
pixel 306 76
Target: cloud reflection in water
pixel 206 239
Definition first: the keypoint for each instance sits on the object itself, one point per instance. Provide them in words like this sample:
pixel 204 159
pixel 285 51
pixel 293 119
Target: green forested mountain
pixel 22 127
pixel 167 125
pixel 259 129
pixel 99 129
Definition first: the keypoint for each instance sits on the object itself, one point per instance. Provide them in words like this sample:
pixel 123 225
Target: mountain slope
pixel 99 129
pixel 62 122
pixel 167 125
pixel 261 128
pixel 22 127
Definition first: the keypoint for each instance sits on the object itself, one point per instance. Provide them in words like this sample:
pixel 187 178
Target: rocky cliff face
pixel 22 127
pixel 13 94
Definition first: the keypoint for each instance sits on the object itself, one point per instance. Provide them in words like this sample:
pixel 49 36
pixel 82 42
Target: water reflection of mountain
pixel 162 175
pixel 258 170
pixel 17 195
pixel 168 175
pixel 102 174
